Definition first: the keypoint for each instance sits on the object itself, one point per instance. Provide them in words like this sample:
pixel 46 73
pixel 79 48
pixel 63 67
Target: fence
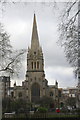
pixel 51 116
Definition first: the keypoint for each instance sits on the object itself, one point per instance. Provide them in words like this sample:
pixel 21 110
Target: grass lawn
pixel 61 115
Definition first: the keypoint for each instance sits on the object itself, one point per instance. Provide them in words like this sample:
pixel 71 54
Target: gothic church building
pixel 35 86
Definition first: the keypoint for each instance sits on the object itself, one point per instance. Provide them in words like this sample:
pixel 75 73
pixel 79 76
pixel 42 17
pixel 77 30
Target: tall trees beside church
pixel 70 37
pixel 10 59
pixel 68 29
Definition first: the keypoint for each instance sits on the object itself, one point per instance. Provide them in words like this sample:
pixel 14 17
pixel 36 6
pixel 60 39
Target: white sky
pixel 18 19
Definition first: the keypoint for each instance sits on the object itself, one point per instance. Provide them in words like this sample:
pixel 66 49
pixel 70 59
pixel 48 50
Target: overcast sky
pixel 18 19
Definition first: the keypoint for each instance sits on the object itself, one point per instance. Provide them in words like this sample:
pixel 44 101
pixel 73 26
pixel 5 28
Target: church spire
pixel 35 40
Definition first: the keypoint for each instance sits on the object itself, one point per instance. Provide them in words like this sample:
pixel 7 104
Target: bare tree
pixel 68 29
pixel 70 37
pixel 10 60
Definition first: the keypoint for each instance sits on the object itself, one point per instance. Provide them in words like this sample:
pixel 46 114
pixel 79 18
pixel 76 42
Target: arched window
pixel 20 94
pixel 37 65
pixel 32 64
pixel 51 93
pixel 31 79
pixel 35 92
pixel 12 94
pixel 34 53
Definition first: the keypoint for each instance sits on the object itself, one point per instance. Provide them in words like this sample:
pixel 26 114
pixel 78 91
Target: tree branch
pixel 13 60
pixel 69 9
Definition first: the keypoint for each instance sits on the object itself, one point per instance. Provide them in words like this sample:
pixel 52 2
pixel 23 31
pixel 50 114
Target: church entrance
pixel 35 92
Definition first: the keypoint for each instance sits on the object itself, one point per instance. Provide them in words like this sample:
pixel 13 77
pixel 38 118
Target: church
pixel 35 85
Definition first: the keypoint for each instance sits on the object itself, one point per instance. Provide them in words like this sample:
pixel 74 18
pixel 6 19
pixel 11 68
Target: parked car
pixel 57 110
pixel 9 115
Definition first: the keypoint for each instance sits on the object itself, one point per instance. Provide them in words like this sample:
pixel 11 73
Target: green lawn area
pixel 61 115
pixel 47 115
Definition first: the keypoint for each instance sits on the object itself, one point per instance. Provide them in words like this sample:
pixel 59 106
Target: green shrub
pixel 42 109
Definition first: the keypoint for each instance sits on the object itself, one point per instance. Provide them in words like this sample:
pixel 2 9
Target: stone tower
pixel 36 84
